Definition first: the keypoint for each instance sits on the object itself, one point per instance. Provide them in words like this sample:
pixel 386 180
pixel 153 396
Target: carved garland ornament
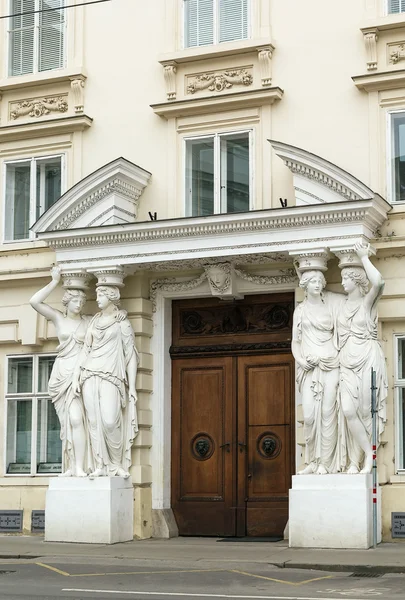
pixel 286 276
pixel 39 108
pixel 171 284
pixel 218 82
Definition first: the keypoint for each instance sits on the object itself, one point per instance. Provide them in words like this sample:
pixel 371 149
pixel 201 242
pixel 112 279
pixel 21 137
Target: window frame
pixel 32 397
pixel 216 32
pixel 33 203
pixel 388 13
pixel 399 384
pixel 36 56
pixel 218 201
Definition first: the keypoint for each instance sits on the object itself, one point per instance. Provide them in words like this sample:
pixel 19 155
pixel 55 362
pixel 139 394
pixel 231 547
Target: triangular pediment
pixel 108 196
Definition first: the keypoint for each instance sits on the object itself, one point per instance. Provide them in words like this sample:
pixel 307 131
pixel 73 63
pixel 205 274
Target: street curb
pixel 354 568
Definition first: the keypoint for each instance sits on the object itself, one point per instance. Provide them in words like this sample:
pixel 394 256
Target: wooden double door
pixel 232 444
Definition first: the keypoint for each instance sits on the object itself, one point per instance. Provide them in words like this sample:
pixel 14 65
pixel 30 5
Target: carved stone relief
pixel 169 70
pixel 396 52
pixel 77 87
pixel 38 107
pixel 218 81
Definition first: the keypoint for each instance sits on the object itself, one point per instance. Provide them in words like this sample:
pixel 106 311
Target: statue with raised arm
pixel 314 347
pixel 106 379
pixel 71 329
pixel 360 351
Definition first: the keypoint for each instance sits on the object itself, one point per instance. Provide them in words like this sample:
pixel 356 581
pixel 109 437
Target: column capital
pixel 310 260
pixel 347 256
pixel 108 275
pixel 76 279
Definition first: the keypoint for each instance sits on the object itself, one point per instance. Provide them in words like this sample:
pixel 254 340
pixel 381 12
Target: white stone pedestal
pixel 332 511
pixel 92 511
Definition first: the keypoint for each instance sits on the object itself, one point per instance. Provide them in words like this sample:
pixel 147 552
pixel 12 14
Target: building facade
pixel 199 147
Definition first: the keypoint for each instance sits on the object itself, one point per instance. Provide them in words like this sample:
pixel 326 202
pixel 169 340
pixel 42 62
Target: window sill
pixel 25 480
pixel 385 23
pixel 215 51
pixel 387 80
pixel 398 478
pixel 44 78
pixel 213 104
pixel 37 129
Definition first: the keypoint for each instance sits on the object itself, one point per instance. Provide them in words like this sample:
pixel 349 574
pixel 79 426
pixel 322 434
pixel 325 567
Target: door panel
pixel 265 396
pixel 203 489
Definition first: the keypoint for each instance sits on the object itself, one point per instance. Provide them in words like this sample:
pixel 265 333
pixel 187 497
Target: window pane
pixel 401 427
pixel 233 20
pixel 21 40
pixel 401 358
pixel 19 426
pixel 200 177
pixel 45 364
pixel 198 22
pixel 398 156
pixel 20 375
pixel 49 445
pixel 235 173
pixel 48 183
pixel 396 6
pixel 17 200
pixel 51 35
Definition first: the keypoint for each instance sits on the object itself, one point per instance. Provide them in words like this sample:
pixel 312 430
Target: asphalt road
pixel 114 579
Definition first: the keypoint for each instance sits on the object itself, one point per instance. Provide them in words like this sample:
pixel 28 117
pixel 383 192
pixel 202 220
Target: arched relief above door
pixel 108 196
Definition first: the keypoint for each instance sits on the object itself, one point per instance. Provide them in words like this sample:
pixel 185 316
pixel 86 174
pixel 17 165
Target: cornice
pixel 210 104
pixel 37 129
pixel 188 55
pixel 371 212
pixel 387 80
pixel 39 79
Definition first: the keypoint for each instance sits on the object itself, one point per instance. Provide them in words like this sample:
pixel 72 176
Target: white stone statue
pixel 314 347
pixel 360 351
pixel 71 329
pixel 106 380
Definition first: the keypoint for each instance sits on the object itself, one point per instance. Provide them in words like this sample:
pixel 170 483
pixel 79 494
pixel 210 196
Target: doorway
pixel 232 417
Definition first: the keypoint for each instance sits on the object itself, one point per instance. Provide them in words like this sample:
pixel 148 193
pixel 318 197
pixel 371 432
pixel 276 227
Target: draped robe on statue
pixel 60 391
pixel 360 351
pixel 314 329
pixel 111 414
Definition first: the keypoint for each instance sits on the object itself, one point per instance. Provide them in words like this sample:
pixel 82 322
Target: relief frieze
pixel 396 52
pixel 38 107
pixel 218 81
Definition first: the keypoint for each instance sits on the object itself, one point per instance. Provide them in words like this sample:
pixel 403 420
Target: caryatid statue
pixel 71 326
pixel 106 381
pixel 359 352
pixel 315 350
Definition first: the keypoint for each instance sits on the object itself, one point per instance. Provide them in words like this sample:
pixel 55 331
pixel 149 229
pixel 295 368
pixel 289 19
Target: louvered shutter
pixel 396 6
pixel 198 22
pixel 21 37
pixel 233 20
pixel 51 35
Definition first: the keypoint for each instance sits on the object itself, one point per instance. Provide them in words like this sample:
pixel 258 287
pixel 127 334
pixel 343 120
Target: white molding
pixel 233 48
pixel 49 127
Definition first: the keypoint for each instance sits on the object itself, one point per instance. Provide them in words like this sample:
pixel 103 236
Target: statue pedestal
pixel 92 511
pixel 332 511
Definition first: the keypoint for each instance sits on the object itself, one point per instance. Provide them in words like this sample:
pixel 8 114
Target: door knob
pixel 227 445
pixel 249 476
pixel 241 445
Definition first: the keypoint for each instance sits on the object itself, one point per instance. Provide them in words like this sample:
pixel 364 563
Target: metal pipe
pixel 374 446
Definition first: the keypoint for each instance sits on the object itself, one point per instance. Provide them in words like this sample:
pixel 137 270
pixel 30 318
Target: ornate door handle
pixel 242 446
pixel 227 445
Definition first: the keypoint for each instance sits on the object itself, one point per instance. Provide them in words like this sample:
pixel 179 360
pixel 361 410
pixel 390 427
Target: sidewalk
pixel 386 558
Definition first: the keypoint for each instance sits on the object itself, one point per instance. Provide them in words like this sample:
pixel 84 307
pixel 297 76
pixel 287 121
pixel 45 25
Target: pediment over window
pixel 108 196
pixel 318 181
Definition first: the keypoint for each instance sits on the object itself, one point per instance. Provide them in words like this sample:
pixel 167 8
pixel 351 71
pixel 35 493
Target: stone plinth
pixel 92 511
pixel 332 511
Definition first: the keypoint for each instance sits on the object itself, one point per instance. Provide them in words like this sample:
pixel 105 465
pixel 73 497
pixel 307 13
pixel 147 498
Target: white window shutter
pixel 198 22
pixel 51 35
pixel 21 37
pixel 396 6
pixel 233 20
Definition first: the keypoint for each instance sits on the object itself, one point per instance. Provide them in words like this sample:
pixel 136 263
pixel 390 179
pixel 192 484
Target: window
pixel 36 39
pixel 33 431
pixel 215 21
pixel 32 186
pixel 400 401
pixel 395 6
pixel 218 174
